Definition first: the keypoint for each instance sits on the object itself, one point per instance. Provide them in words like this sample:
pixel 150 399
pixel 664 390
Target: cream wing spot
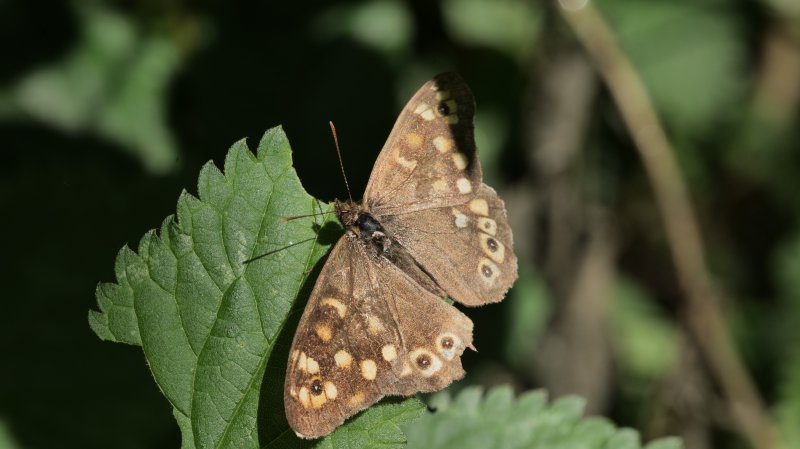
pixel 440 185
pixel 442 95
pixel 341 309
pixel 331 391
pixel 312 367
pixel 461 220
pixel 374 325
pixel 452 105
pixel 323 331
pixel 442 144
pixel 464 185
pixel 304 398
pixel 460 159
pixel 389 352
pixel 428 115
pixel 492 248
pixel 369 370
pixel 356 399
pixel 422 107
pixel 301 363
pixel 479 206
pixel 488 271
pixel 414 140
pixel 405 163
pixel 318 400
pixel 343 359
pixel 487 225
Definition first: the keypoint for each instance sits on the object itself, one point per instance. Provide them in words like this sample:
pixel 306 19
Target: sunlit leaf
pixel 216 329
pixel 472 420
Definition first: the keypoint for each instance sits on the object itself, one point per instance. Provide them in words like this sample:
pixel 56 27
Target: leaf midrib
pixel 270 343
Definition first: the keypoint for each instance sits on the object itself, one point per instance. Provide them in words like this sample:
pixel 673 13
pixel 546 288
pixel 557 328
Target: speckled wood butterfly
pixel 428 227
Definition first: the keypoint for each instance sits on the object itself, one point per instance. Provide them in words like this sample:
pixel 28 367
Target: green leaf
pixel 529 308
pixel 378 427
pixel 383 25
pixel 645 339
pixel 689 54
pixel 216 330
pixel 785 324
pixel 788 406
pixel 475 22
pixel 6 439
pixel 472 420
pixel 185 425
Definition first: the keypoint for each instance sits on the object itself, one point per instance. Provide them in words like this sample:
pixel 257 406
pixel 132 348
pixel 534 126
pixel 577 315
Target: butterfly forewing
pixel 322 376
pixel 429 158
pixel 364 335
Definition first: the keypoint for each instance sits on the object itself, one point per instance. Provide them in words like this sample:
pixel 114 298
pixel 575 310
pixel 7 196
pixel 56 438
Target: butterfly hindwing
pixel 467 248
pixel 433 334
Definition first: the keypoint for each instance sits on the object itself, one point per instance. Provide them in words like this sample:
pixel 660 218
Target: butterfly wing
pixel 429 158
pixel 368 330
pixel 467 248
pixel 427 191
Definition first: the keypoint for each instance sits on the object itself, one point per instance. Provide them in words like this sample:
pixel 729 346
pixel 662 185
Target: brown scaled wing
pixel 368 331
pixel 426 189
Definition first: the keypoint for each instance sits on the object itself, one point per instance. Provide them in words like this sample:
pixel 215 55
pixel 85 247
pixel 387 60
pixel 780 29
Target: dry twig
pixel 702 299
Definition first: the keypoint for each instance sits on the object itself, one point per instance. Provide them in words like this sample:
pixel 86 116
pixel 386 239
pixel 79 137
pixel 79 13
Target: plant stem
pixel 702 299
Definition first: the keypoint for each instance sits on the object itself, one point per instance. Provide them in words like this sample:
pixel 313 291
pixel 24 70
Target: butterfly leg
pixel 382 240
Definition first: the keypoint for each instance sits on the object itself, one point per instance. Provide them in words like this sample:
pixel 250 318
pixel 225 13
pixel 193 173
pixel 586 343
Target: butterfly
pixel 376 323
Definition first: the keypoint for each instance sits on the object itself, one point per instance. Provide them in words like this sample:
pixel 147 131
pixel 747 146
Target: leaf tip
pixel 98 322
pixel 274 143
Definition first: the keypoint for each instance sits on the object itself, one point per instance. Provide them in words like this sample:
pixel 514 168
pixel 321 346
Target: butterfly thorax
pixel 361 223
pixel 369 226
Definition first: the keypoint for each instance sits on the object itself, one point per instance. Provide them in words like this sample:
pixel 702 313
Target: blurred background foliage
pixel 109 108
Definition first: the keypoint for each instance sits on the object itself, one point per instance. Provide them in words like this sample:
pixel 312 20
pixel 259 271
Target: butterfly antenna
pixel 253 259
pixel 341 164
pixel 295 217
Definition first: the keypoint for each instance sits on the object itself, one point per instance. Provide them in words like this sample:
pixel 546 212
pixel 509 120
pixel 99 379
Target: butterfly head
pixel 347 212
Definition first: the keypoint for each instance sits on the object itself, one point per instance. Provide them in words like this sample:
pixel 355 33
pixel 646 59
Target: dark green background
pixel 72 195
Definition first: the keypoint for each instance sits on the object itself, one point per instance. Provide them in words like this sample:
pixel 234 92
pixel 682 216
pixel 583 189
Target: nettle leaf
pixel 215 330
pixel 378 427
pixel 472 420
